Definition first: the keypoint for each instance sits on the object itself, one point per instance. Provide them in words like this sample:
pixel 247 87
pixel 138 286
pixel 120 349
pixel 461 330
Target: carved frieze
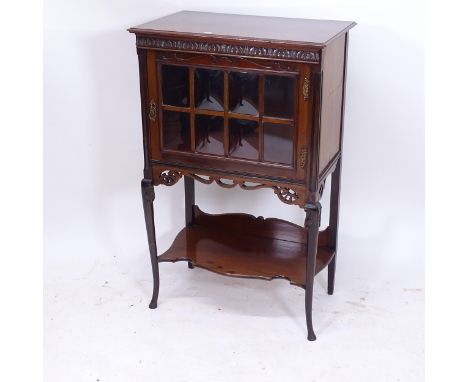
pixel 228 49
pixel 288 195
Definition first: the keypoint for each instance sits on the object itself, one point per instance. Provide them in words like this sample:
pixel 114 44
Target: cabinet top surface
pixel 244 27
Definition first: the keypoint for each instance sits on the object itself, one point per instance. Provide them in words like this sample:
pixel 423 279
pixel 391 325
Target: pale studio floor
pixel 212 328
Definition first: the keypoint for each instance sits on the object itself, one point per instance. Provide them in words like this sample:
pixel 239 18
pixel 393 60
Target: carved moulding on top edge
pixel 234 49
pixel 288 195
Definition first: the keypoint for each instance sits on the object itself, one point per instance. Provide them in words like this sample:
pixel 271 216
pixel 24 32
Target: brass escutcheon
pixel 305 88
pixel 303 157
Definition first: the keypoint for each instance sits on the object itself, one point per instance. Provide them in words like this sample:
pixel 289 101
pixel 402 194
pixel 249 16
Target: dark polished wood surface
pixel 232 26
pixel 250 102
pixel 242 245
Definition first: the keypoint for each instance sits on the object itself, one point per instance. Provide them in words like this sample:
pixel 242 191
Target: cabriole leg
pixel 147 192
pixel 333 224
pixel 312 223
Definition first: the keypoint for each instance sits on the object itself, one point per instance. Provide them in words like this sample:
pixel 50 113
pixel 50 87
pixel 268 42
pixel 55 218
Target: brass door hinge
pixel 152 111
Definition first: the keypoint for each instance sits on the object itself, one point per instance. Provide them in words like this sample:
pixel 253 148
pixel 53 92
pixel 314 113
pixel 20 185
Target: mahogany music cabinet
pixel 252 102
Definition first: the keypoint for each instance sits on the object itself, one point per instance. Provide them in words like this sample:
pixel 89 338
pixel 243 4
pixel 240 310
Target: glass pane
pixel 243 139
pixel 209 89
pixel 279 96
pixel 243 93
pixel 175 85
pixel 278 143
pixel 176 130
pixel 209 133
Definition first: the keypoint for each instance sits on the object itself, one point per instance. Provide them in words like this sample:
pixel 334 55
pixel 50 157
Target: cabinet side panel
pixel 332 96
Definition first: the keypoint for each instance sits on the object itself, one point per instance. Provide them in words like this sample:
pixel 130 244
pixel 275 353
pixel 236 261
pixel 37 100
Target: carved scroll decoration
pixel 169 177
pixel 287 195
pixel 229 49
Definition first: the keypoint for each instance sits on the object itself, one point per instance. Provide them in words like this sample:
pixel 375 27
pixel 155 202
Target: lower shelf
pixel 242 245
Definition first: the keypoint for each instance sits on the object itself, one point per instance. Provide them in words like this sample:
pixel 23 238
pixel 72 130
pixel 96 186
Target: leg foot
pixel 153 304
pixel 310 329
pixel 190 265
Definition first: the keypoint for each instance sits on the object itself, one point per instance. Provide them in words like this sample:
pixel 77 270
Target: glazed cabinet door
pixel 229 114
